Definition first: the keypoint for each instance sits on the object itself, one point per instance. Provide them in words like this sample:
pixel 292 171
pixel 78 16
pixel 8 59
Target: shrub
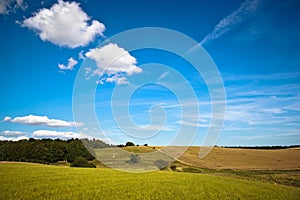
pixel 90 165
pixel 173 167
pixel 82 162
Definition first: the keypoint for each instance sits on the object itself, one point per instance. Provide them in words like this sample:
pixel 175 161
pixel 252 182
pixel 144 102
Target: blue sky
pixel 254 43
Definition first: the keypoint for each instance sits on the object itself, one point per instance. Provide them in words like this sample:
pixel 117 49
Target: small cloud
pixel 54 134
pixel 12 133
pixel 64 24
pixel 42 121
pixel 113 64
pixel 7 119
pixel 118 79
pixel 10 6
pixel 71 63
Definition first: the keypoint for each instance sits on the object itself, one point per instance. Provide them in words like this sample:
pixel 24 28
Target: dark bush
pixel 128 144
pixel 82 162
pixel 173 167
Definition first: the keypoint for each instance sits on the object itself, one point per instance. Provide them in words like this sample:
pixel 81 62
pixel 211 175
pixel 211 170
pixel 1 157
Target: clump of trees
pixel 94 143
pixel 46 151
pixel 130 144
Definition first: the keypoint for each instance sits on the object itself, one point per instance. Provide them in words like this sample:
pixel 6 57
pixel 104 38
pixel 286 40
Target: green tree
pixel 128 144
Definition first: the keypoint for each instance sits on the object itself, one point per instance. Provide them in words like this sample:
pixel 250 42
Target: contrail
pixel 230 22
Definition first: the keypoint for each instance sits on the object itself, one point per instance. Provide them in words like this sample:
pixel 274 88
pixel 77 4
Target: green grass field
pixel 35 181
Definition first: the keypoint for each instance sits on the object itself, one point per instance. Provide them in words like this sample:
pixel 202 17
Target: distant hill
pixel 263 147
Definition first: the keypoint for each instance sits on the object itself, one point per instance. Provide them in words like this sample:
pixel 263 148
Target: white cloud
pixel 14 138
pixel 12 133
pixel 54 134
pixel 118 79
pixel 71 63
pixel 6 119
pixel 113 64
pixel 43 121
pixel 10 6
pixel 64 24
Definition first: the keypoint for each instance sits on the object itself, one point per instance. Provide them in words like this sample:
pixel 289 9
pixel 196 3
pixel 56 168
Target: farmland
pixel 276 166
pixel 245 159
pixel 36 181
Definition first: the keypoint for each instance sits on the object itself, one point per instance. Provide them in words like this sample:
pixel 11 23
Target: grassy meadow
pixel 36 181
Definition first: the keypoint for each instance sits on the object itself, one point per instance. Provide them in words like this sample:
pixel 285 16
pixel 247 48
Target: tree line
pixel 47 151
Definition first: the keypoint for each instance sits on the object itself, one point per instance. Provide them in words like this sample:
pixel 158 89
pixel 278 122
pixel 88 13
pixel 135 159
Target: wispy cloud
pixel 12 133
pixel 163 75
pixel 256 77
pixel 231 21
pixel 186 123
pixel 264 105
